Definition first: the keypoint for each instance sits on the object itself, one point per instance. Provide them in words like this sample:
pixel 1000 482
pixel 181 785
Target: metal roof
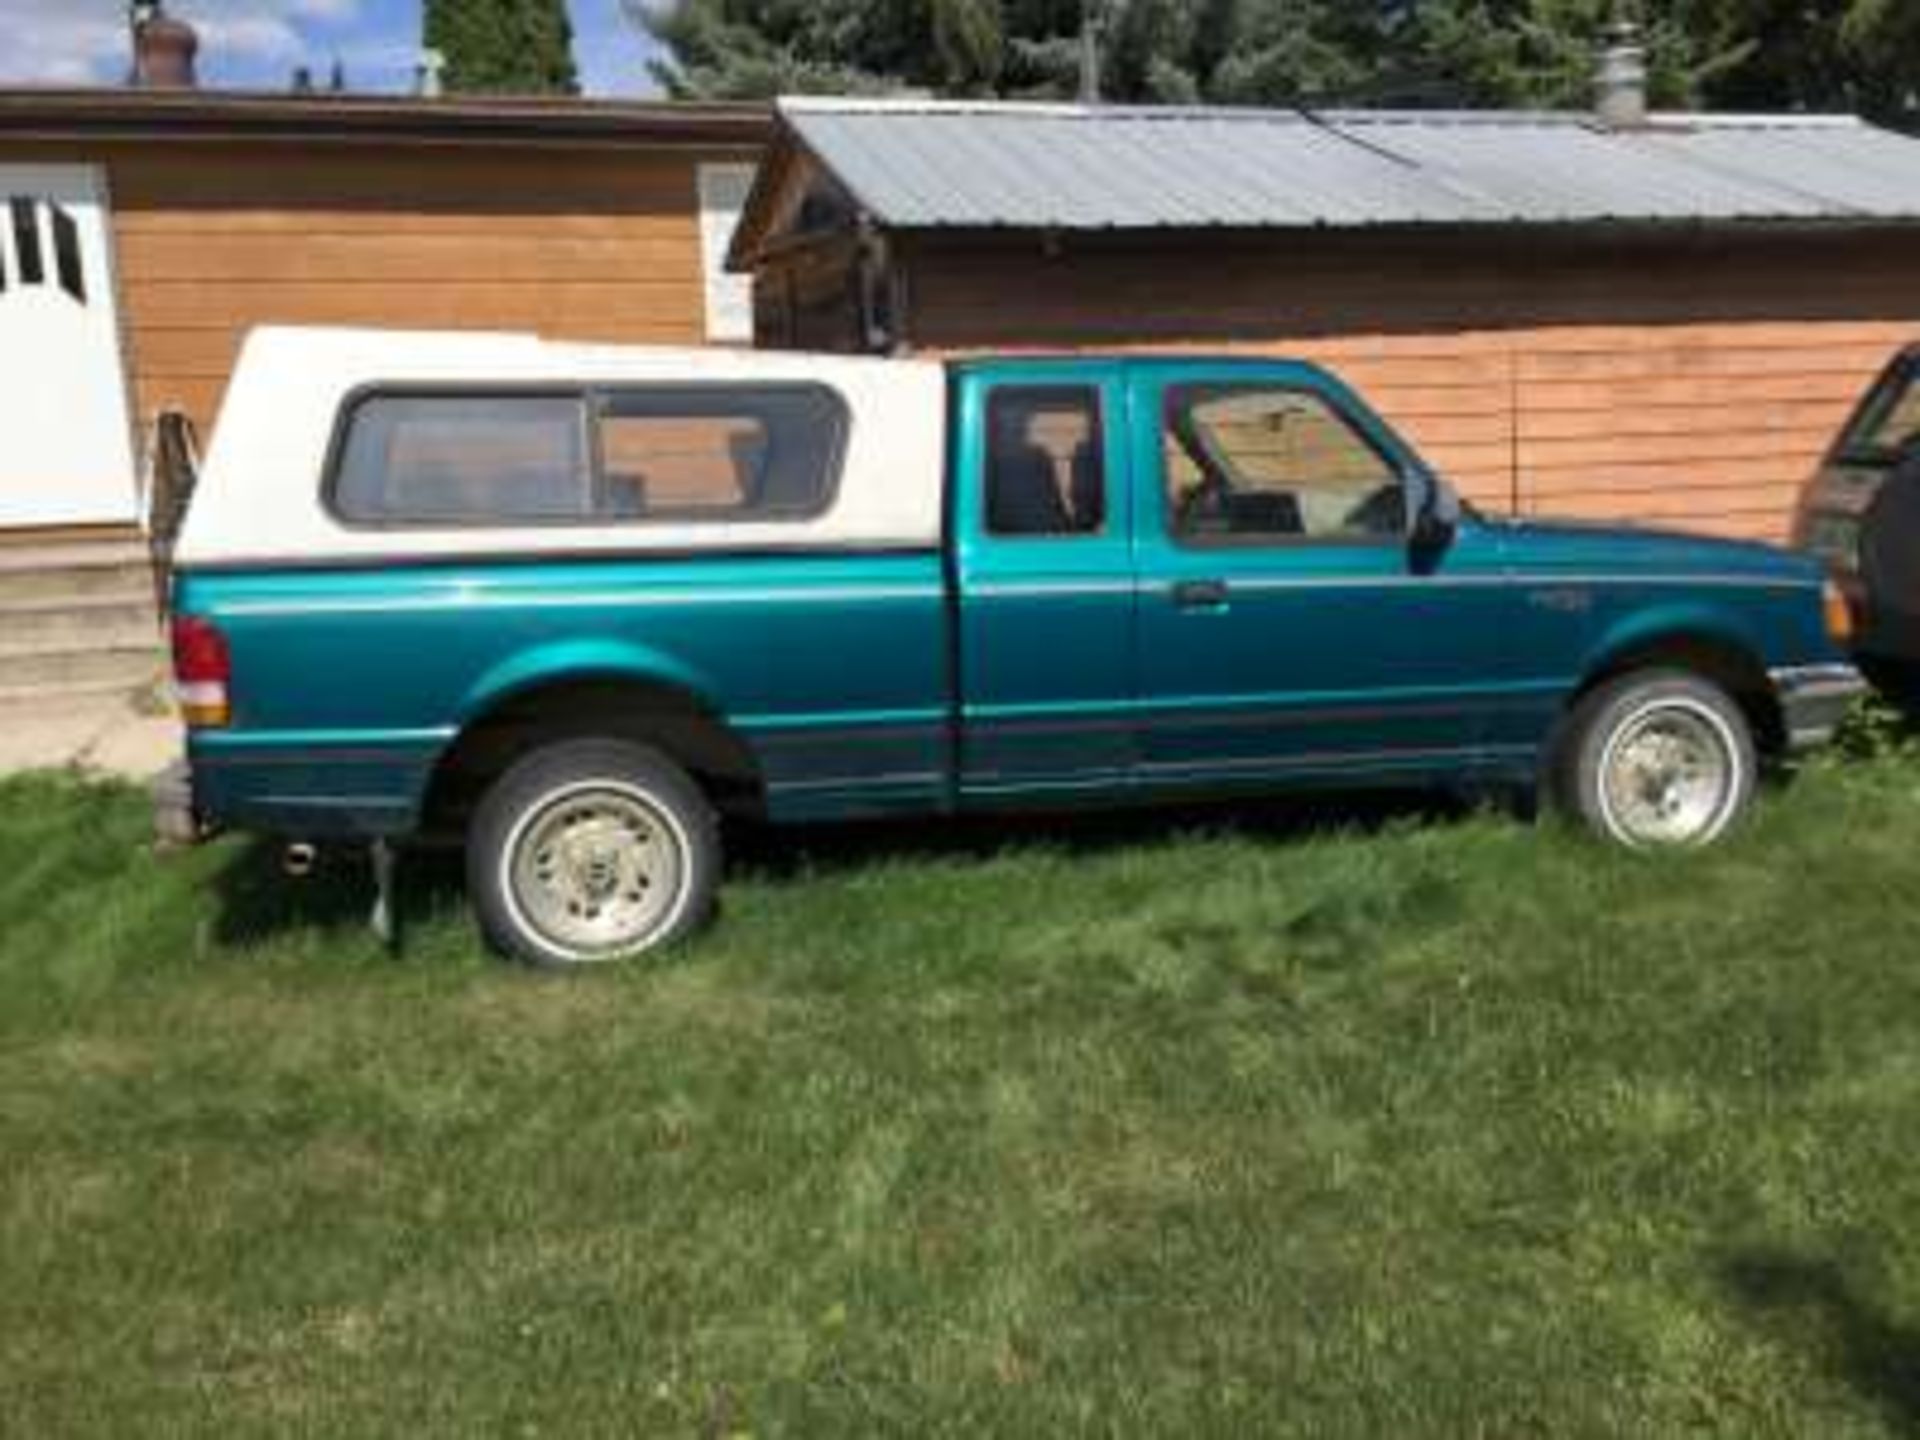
pixel 928 164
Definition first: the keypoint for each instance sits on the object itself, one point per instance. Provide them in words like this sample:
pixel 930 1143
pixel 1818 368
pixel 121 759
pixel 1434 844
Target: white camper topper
pixel 260 492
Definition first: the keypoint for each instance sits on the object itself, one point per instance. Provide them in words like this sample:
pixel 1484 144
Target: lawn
pixel 1314 1123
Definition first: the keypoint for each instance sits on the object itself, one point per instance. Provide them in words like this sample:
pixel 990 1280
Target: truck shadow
pixel 780 853
pixel 1810 1305
pixel 258 901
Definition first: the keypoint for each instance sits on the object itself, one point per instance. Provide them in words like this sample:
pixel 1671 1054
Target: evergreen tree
pixel 1860 55
pixel 741 49
pixel 504 47
pixel 1848 55
pixel 1536 54
pixel 1150 50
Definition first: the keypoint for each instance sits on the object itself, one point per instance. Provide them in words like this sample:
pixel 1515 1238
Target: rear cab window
pixel 623 454
pixel 1045 474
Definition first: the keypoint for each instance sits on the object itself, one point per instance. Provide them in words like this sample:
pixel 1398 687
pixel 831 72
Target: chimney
pixel 429 75
pixel 1089 52
pixel 1622 79
pixel 163 48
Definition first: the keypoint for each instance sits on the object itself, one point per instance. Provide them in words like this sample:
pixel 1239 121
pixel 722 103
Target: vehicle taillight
pixel 202 670
pixel 1841 609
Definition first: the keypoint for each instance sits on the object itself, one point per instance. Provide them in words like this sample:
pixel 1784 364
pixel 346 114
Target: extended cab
pixel 569 604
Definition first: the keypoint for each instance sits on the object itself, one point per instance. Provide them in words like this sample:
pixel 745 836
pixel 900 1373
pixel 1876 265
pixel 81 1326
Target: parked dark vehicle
pixel 1861 515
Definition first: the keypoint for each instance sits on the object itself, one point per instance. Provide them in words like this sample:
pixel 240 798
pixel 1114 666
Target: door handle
pixel 1200 594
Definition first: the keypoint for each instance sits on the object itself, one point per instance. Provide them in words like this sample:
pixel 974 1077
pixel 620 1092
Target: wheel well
pixel 663 716
pixel 1734 669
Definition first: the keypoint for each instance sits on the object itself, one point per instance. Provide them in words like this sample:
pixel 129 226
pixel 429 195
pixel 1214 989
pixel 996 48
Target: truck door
pixel 1287 626
pixel 1043 548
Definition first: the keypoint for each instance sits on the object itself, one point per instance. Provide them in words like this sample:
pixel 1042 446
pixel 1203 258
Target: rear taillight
pixel 202 670
pixel 1841 610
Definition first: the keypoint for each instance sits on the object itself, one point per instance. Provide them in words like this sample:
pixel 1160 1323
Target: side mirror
pixel 1436 516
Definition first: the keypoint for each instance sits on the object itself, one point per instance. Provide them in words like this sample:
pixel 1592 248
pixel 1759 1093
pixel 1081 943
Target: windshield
pixel 1889 420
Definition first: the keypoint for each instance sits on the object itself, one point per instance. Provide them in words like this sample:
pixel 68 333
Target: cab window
pixel 1044 469
pixel 720 452
pixel 1254 463
pixel 453 459
pixel 671 453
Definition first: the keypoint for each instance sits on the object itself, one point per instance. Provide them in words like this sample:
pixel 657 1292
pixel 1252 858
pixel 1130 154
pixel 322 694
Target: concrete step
pixel 59 572
pixel 112 620
pixel 51 665
pixel 104 728
pixel 57 553
pixel 81 701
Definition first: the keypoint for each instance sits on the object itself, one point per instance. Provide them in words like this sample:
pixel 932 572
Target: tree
pixel 1851 55
pixel 1537 54
pixel 1170 50
pixel 744 49
pixel 518 47
pixel 1747 54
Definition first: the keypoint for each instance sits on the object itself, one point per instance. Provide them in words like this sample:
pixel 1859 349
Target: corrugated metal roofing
pixel 929 164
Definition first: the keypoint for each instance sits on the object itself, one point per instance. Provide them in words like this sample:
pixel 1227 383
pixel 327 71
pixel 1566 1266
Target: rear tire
pixel 590 851
pixel 1657 759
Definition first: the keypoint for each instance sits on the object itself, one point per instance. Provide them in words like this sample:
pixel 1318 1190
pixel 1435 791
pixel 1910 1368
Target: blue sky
pixel 257 43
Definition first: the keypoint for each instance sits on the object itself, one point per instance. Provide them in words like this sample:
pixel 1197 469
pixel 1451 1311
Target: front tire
pixel 590 851
pixel 1658 759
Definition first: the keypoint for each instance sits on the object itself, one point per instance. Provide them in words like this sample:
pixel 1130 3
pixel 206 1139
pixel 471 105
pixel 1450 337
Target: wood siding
pixel 1689 380
pixel 588 243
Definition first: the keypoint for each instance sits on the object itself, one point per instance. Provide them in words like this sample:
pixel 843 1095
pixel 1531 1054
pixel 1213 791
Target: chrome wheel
pixel 1670 775
pixel 596 870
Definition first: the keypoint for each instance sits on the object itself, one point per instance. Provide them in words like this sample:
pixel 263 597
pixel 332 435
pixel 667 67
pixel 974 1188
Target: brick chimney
pixel 163 48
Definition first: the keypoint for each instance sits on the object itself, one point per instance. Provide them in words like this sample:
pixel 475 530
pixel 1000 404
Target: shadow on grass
pixel 1811 1302
pixel 259 901
pixel 785 852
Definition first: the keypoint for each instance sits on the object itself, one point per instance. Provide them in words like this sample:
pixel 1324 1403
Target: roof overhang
pixel 783 157
pixel 149 116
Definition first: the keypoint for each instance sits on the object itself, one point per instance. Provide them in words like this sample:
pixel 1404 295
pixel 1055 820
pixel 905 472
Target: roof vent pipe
pixel 429 75
pixel 1089 52
pixel 1622 78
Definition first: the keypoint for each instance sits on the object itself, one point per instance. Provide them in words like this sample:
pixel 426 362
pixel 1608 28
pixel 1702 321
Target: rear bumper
pixel 1814 699
pixel 235 781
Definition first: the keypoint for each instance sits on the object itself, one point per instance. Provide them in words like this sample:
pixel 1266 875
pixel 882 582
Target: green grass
pixel 1442 1128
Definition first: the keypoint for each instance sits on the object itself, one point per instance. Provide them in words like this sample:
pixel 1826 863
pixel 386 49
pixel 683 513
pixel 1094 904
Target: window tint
pixel 671 452
pixel 1265 462
pixel 733 453
pixel 459 459
pixel 1045 475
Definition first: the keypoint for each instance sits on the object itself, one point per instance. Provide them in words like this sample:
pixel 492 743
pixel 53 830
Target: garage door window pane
pixel 465 460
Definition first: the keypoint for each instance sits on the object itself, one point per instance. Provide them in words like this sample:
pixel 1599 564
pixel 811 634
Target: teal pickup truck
pixel 569 605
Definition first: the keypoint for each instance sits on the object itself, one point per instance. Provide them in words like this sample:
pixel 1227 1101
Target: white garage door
pixel 66 448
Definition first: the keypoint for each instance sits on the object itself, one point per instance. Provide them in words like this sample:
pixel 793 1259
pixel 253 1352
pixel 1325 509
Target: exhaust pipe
pixel 297 860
